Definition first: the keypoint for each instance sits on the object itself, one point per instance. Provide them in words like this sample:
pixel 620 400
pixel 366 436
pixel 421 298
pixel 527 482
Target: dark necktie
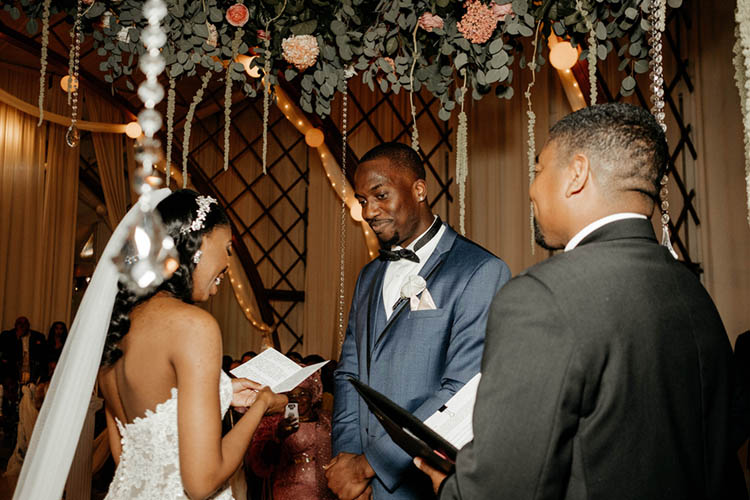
pixel 403 253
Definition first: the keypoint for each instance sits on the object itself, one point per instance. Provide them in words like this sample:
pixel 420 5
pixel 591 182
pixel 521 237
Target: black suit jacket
pixel 607 374
pixel 11 355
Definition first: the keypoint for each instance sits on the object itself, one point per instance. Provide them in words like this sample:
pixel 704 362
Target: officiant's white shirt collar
pixel 575 240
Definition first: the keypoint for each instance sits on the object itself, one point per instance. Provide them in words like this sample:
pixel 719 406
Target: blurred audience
pixel 292 451
pixel 56 337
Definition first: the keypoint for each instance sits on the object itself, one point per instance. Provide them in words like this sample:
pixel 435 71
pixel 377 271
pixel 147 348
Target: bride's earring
pixel 217 281
pixel 197 256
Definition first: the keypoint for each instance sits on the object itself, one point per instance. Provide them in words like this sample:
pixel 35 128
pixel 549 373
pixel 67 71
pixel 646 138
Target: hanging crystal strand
pixel 657 18
pixel 43 66
pixel 72 136
pixel 591 56
pixel 462 159
pixel 741 72
pixel 342 228
pixel 415 57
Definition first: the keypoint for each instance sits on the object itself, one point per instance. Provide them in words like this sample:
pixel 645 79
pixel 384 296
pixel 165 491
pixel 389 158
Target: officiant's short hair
pixel 399 155
pixel 624 143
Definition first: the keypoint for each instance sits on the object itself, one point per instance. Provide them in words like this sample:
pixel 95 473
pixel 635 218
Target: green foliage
pixel 373 38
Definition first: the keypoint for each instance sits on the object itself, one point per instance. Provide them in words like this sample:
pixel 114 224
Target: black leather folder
pixel 407 431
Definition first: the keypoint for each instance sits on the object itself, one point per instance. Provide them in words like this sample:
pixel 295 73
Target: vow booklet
pixel 275 370
pixel 453 420
pixel 438 438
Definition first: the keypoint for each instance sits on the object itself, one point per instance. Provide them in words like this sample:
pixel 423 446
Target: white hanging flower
pixel 43 62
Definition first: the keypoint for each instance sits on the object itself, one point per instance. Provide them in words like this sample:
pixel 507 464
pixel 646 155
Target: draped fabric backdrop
pixel 38 200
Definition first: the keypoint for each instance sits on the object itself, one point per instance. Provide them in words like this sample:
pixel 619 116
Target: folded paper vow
pixel 275 370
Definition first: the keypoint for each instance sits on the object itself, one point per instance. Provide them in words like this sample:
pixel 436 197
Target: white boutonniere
pixel 414 286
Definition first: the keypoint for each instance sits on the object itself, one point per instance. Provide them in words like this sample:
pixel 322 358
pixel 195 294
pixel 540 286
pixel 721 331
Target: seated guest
pixel 291 451
pixel 58 332
pixel 295 356
pixel 248 356
pixel 606 371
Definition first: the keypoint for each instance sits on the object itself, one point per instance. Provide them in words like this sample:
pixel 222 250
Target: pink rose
pixel 429 22
pixel 238 15
pixel 501 11
pixel 88 2
pixel 262 35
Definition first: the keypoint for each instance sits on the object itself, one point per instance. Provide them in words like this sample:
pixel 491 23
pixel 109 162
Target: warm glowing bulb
pixel 133 130
pixel 563 55
pixel 314 138
pixel 69 80
pixel 247 62
pixel 356 212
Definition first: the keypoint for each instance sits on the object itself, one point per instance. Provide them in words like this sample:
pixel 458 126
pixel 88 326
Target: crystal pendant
pixel 148 256
pixel 72 136
pixel 665 241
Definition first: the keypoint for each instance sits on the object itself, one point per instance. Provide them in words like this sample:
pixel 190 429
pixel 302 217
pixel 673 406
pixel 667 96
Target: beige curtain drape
pixel 110 160
pixel 38 201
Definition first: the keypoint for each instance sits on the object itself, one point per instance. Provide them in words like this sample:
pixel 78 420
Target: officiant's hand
pixel 245 392
pixel 436 476
pixel 349 476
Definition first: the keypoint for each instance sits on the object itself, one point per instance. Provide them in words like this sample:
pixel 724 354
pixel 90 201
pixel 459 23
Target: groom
pixel 417 341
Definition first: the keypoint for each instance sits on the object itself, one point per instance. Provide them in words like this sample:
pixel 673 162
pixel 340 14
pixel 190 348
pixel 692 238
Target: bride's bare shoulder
pixel 175 317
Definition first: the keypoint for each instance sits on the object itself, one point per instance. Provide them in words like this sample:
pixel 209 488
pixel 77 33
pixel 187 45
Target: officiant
pixel 416 324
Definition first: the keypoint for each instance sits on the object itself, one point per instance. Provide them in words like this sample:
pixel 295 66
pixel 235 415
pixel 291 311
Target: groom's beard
pixel 539 237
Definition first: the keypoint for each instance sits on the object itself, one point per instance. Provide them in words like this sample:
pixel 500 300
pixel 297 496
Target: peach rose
pixel 501 11
pixel 429 21
pixel 237 15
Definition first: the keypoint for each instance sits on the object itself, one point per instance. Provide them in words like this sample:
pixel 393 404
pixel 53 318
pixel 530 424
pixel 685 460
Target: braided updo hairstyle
pixel 177 211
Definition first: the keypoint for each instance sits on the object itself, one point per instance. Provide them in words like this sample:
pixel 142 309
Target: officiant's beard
pixel 539 236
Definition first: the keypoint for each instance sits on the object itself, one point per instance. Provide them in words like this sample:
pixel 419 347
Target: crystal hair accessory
pixel 204 206
pixel 197 256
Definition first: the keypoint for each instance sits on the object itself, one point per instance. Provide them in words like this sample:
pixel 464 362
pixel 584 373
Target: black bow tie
pixel 404 253
pixel 401 253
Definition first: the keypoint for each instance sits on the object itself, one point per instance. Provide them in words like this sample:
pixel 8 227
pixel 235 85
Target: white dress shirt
pixel 398 271
pixel 575 240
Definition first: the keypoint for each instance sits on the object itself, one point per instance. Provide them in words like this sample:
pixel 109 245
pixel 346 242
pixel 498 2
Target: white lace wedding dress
pixel 150 462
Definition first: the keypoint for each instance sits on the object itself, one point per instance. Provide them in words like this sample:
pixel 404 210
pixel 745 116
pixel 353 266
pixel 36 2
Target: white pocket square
pixel 423 303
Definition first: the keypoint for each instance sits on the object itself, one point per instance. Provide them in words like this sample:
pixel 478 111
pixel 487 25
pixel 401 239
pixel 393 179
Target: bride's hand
pixel 275 403
pixel 245 392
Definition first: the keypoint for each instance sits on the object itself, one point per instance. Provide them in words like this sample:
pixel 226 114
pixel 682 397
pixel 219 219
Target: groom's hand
pixel 349 476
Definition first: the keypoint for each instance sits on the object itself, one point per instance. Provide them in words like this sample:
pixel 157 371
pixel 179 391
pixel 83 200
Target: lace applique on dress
pixel 150 462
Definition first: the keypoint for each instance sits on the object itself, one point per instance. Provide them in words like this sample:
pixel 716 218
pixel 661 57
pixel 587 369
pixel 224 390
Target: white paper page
pixel 297 378
pixel 453 420
pixel 268 368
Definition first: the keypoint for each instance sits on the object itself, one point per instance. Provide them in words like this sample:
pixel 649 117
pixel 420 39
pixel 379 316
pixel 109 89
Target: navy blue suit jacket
pixel 419 359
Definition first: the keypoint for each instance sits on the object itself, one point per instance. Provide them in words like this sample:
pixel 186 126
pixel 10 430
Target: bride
pixel 161 373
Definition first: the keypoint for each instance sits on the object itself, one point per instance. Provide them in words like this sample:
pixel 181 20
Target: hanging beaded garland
pixel 43 65
pixel 657 18
pixel 197 98
pixel 462 158
pixel 170 125
pixel 531 152
pixel 415 57
pixel 228 95
pixel 72 136
pixel 591 56
pixel 267 84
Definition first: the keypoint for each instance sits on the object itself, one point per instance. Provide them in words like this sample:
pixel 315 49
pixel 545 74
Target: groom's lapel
pixel 428 272
pixel 375 311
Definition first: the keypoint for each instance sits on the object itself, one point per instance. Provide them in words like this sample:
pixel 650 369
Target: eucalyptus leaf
pixel 444 114
pixel 628 83
pixel 215 15
pixel 290 74
pixel 641 66
pixel 460 60
pixel 200 30
pixel 391 45
pixel 304 28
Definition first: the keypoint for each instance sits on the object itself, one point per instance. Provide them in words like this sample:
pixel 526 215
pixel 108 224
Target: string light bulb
pixel 68 80
pixel 133 130
pixel 314 137
pixel 562 55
